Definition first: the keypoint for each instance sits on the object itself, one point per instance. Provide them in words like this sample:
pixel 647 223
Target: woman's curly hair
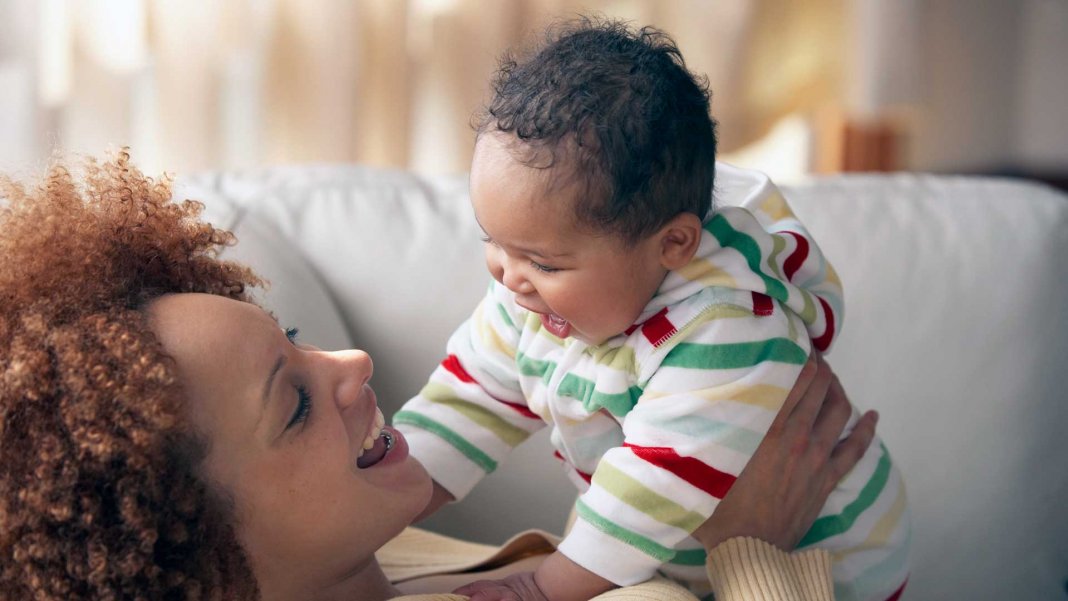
pixel 99 495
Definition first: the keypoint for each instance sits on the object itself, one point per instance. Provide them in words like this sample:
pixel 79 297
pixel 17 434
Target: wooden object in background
pixel 848 144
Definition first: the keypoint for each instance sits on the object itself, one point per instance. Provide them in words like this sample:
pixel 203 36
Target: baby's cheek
pixel 493 266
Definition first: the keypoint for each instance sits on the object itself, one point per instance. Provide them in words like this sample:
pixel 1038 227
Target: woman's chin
pixel 423 486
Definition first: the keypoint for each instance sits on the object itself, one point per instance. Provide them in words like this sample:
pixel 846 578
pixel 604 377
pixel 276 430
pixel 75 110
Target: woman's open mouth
pixel 556 325
pixel 380 447
pixel 377 444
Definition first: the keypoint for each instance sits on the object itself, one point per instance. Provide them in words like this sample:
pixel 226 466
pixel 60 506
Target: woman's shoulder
pixel 416 553
pixel 657 589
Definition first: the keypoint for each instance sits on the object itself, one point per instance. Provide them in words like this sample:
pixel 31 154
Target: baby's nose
pixel 519 285
pixel 512 277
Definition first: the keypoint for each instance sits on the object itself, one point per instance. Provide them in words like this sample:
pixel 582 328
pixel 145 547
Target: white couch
pixel 956 330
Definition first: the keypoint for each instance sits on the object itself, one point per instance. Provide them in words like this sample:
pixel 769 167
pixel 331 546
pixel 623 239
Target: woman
pixel 162 438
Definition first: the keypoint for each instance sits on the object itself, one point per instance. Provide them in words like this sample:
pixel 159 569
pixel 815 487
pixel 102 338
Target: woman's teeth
pixel 376 431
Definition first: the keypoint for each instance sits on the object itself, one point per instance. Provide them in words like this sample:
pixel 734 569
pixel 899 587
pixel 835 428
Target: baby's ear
pixel 679 239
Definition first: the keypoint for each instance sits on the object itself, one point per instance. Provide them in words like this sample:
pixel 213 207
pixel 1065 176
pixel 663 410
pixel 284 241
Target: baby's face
pixel 583 284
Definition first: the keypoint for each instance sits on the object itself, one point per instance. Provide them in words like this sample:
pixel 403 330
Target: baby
pixel 656 334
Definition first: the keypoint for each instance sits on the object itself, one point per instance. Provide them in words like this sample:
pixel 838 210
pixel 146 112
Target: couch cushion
pixel 956 332
pixel 397 256
pixel 953 330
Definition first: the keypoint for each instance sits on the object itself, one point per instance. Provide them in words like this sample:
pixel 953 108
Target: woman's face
pixel 286 423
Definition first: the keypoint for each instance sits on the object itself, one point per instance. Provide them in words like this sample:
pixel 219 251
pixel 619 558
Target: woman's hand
pixel 781 491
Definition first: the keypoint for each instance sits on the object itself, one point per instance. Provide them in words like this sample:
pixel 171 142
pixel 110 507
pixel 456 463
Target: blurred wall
pixel 977 85
pixel 967 85
pixel 1042 97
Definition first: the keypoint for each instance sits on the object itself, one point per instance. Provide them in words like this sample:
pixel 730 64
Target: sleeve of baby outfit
pixel 471 412
pixel 748 569
pixel 699 419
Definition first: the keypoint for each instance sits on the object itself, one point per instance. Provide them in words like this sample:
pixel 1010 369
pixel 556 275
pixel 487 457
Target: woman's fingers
pixel 835 454
pixel 852 448
pixel 802 390
pixel 796 466
pixel 804 380
pixel 811 399
pixel 832 418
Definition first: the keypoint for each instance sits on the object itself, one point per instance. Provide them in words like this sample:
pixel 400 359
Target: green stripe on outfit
pixel 732 436
pixel 534 367
pixel 617 403
pixel 639 542
pixel 729 237
pixel 833 525
pixel 444 395
pixel 689 557
pixel 479 458
pixel 632 492
pixel 778 244
pixel 734 355
pixel 505 316
pixel 808 313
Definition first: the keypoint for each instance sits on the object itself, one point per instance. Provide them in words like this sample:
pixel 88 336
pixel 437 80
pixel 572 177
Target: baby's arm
pixel 472 411
pixel 561 579
pixel 439 497
pixel 556 579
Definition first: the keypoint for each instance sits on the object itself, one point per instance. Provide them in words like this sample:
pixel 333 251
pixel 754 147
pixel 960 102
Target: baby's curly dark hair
pixel 99 495
pixel 631 122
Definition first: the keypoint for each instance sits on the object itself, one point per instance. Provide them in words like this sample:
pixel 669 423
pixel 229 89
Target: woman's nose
pixel 353 368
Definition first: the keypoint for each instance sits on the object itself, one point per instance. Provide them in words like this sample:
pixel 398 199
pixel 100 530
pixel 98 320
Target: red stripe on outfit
pixel 453 366
pixel 588 478
pixel 797 258
pixel 694 471
pixel 824 341
pixel 658 328
pixel 762 304
pixel 897 593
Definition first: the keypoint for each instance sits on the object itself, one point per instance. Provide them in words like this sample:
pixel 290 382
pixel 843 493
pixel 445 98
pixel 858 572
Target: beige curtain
pixel 202 84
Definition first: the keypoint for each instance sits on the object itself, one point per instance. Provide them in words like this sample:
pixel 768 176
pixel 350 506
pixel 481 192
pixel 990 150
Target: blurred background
pixel 800 86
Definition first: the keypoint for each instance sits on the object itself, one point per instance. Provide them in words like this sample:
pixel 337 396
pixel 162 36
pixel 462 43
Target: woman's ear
pixel 679 239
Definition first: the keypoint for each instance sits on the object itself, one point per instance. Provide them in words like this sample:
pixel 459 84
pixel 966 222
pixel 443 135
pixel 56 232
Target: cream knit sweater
pixel 740 569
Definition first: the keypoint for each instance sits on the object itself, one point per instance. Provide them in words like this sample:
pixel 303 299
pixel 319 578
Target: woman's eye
pixel 300 415
pixel 543 268
pixel 291 334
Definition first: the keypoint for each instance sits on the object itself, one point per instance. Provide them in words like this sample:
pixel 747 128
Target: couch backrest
pixel 955 330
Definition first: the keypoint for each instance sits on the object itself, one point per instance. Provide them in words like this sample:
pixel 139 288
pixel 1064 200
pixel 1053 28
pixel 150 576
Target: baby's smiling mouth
pixel 556 325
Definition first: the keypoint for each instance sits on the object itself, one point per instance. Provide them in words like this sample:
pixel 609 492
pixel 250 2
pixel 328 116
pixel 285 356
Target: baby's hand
pixel 517 587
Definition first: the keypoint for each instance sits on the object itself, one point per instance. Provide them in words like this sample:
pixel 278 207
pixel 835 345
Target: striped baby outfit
pixel 655 424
